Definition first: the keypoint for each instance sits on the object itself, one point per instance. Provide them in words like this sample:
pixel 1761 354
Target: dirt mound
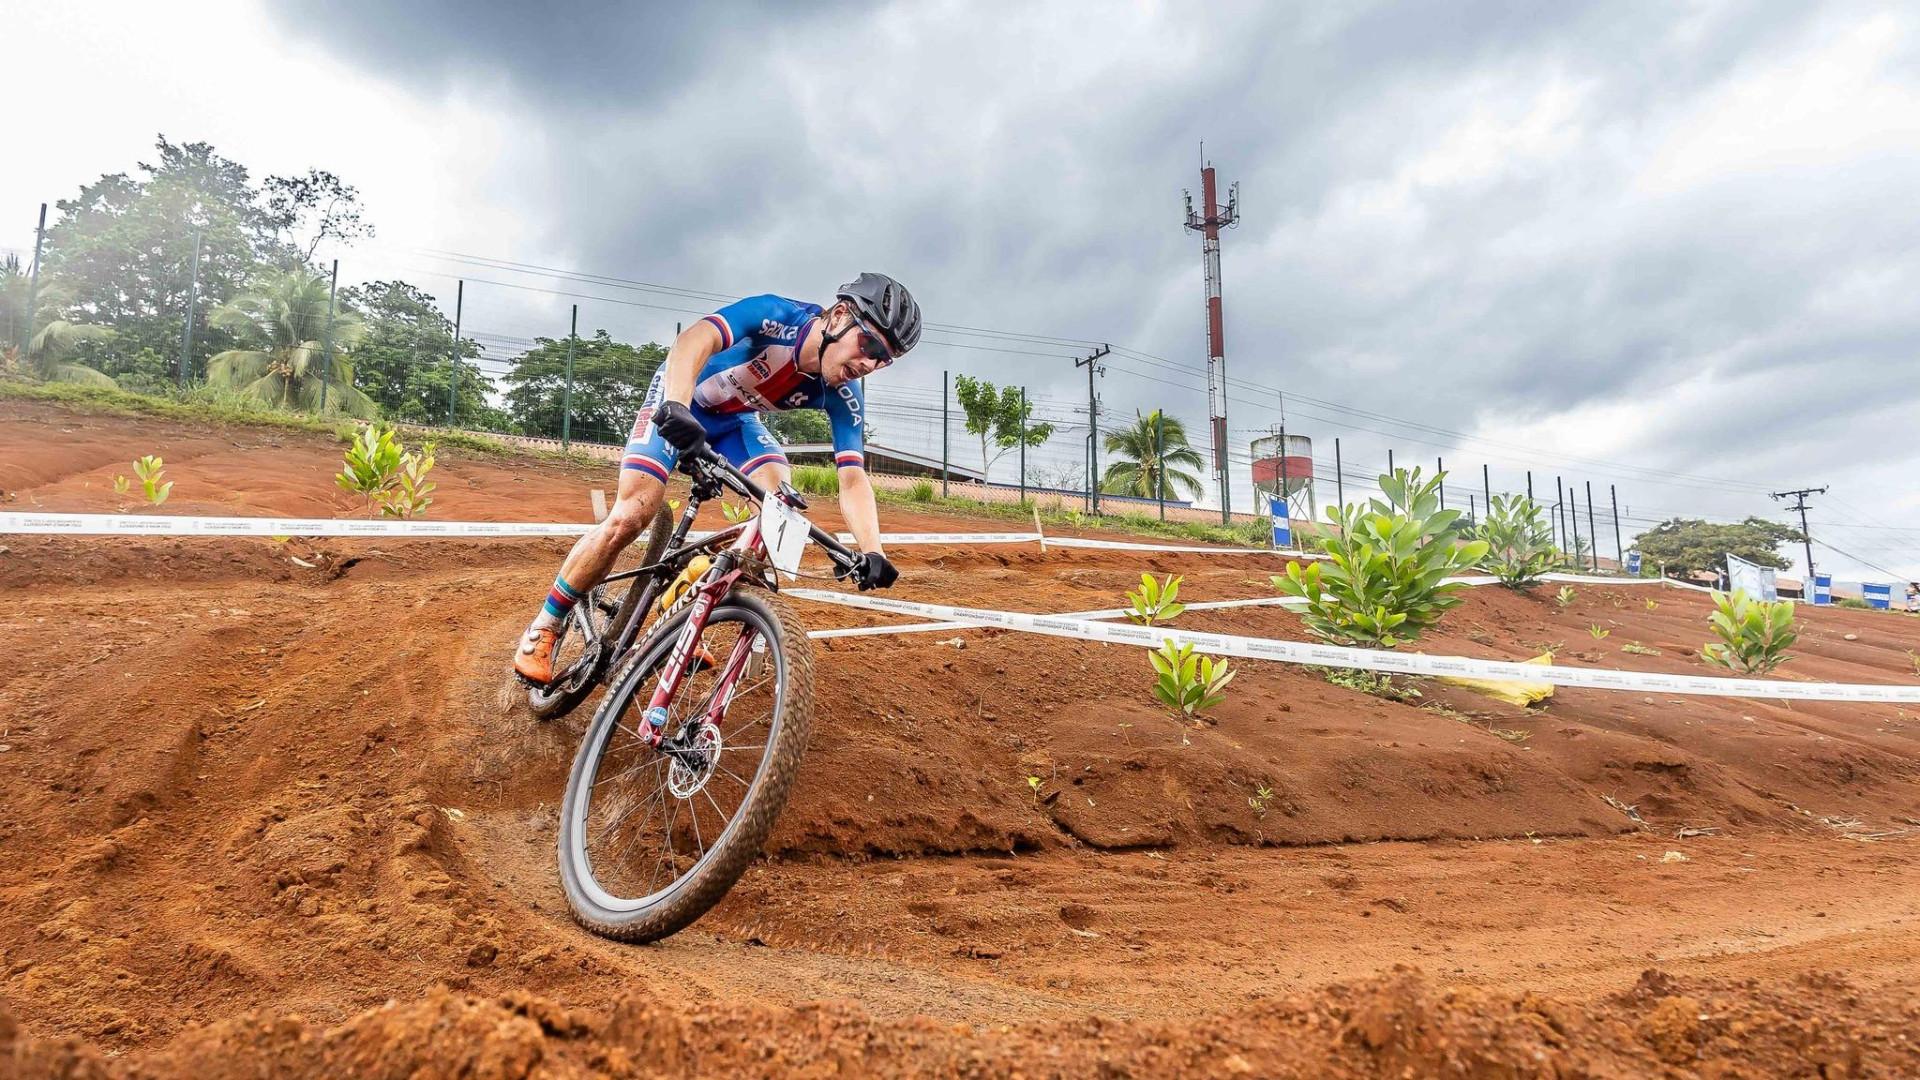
pixel 282 774
pixel 1397 1025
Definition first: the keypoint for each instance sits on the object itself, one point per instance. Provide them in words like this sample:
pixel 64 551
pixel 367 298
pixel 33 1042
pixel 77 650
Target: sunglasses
pixel 873 346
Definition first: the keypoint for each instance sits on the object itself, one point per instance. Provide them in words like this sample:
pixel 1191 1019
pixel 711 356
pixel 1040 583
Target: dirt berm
pixel 270 809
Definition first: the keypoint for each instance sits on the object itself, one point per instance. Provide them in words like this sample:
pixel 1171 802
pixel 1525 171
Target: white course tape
pixel 1296 652
pixel 958 539
pixel 1104 613
pixel 132 525
pixel 1123 545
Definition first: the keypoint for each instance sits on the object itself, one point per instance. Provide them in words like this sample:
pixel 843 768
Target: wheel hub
pixel 693 761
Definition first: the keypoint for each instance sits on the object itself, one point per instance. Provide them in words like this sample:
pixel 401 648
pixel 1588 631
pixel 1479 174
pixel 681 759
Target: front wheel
pixel 651 837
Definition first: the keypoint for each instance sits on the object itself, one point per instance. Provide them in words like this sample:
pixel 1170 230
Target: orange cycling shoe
pixel 534 659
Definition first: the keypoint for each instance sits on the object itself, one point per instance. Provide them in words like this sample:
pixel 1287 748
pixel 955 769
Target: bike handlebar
pixel 843 557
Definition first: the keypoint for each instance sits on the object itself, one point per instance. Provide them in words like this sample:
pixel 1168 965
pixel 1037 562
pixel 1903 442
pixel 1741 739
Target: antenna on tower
pixel 1208 224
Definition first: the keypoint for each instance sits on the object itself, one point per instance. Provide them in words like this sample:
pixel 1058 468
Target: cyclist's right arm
pixel 691 351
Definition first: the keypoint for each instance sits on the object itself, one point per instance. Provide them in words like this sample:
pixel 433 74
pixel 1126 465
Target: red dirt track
pixel 265 818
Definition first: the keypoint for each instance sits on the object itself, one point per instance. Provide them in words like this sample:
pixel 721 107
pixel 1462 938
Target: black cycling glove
pixel 676 424
pixel 873 571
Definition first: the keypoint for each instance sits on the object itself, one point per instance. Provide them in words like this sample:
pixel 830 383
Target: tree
pixel 1690 545
pixel 1154 445
pixel 609 384
pixel 283 327
pixel 799 426
pixel 317 201
pixel 402 359
pixel 1001 417
pixel 49 355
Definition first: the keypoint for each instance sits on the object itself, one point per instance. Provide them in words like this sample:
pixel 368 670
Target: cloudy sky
pixel 1673 248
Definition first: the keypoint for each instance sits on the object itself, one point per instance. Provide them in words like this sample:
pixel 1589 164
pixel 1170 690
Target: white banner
pixel 1296 652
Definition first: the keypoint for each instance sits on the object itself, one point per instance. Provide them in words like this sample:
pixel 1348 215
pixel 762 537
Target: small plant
pixel 1599 632
pixel 1854 602
pixel 1189 684
pixel 150 469
pixel 1155 603
pixel 1564 598
pixel 120 485
pixel 1261 796
pixel 1519 542
pixel 1914 659
pixel 1382 583
pixel 1376 683
pixel 735 513
pixel 411 492
pixel 1754 634
pixel 1652 604
pixel 921 491
pixel 1638 649
pixel 1033 785
pixel 372 464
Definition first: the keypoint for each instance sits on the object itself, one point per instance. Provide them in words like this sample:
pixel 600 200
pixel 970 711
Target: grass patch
pixel 208 405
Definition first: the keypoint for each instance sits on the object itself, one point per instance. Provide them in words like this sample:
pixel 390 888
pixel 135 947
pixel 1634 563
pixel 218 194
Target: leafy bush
pixel 149 469
pixel 1754 634
pixel 1854 602
pixel 1519 542
pixel 1383 584
pixel 1155 603
pixel 921 491
pixel 816 480
pixel 411 492
pixel 390 479
pixel 1188 684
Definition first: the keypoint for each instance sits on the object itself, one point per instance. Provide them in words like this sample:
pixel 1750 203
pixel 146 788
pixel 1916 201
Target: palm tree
pixel 1154 446
pixel 47 355
pixel 283 323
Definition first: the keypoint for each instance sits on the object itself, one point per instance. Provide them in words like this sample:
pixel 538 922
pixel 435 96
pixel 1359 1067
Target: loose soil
pixel 273 807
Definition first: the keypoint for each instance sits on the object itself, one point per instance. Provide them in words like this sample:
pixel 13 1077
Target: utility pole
pixel 326 351
pixel 33 279
pixel 1208 224
pixel 945 425
pixel 1286 497
pixel 1799 495
pixel 1092 364
pixel 453 368
pixel 193 299
pixel 566 395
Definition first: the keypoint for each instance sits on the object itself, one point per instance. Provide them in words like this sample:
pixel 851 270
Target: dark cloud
pixel 1483 215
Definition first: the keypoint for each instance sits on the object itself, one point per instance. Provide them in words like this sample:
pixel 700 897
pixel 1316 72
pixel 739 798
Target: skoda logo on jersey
pixel 774 330
pixel 853 403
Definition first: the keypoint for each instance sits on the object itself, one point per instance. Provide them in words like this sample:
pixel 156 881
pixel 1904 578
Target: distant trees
pixel 1692 545
pixel 1001 416
pixel 609 383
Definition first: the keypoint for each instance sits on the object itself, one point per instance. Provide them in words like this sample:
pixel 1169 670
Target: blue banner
pixel 1822 589
pixel 1880 596
pixel 1633 563
pixel 1282 521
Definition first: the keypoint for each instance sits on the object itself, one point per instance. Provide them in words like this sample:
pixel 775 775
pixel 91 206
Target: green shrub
pixel 1754 634
pixel 1188 684
pixel 1519 542
pixel 921 491
pixel 816 480
pixel 150 469
pixel 1155 603
pixel 372 461
pixel 1382 583
pixel 1853 602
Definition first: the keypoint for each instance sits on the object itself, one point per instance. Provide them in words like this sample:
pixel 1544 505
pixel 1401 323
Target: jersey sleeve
pixel 770 319
pixel 846 409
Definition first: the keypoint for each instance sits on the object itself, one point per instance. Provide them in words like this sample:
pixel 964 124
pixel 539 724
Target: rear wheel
pixel 609 607
pixel 651 837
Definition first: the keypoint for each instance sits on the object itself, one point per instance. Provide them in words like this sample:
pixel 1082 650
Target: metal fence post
pixel 453 367
pixel 1160 458
pixel 193 299
pixel 566 395
pixel 1619 552
pixel 944 425
pixel 1593 534
pixel 33 280
pixel 326 353
pixel 1023 444
pixel 1339 476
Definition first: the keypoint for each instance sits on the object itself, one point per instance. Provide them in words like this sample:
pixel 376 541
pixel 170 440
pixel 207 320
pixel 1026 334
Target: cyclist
pixel 762 354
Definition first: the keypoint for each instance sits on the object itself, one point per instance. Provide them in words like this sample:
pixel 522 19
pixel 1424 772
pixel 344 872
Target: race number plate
pixel 784 532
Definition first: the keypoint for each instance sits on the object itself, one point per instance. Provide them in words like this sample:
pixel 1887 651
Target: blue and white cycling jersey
pixel 755 371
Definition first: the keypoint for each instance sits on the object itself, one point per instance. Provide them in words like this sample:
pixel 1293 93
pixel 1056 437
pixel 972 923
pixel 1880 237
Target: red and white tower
pixel 1208 225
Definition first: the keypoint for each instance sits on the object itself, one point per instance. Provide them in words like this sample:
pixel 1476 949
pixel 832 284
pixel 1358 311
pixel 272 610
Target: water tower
pixel 1283 464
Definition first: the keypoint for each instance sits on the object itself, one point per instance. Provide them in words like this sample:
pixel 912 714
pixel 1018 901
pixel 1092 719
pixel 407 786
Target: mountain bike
pixel 691 753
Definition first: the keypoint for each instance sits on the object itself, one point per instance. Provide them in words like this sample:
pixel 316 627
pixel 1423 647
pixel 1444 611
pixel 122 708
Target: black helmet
pixel 887 306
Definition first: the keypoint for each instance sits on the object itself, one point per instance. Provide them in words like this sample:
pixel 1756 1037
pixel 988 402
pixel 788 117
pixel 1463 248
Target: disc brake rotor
pixel 693 762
